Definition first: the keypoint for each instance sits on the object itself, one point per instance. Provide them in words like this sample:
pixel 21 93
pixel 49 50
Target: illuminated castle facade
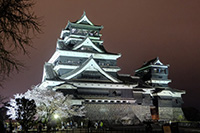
pixel 82 67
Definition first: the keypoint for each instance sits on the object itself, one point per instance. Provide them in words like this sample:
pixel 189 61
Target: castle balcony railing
pixel 86 34
pixel 114 67
pixel 68 63
pixel 77 63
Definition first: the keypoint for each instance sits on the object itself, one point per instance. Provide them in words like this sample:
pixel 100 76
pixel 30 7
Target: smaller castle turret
pixel 154 73
pixel 167 101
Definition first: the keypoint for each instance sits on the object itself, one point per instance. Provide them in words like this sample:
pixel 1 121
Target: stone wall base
pixel 171 113
pixel 118 113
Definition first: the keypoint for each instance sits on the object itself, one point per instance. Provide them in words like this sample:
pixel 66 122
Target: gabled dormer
pixel 89 70
pixel 154 73
pixel 87 45
pixel 84 20
pixel 83 23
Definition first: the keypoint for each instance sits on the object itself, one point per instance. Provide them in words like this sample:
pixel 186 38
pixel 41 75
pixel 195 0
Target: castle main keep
pixel 82 67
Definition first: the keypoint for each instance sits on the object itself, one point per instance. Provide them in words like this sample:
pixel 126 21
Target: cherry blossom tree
pixel 49 103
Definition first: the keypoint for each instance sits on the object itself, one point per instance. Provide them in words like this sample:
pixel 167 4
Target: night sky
pixel 139 30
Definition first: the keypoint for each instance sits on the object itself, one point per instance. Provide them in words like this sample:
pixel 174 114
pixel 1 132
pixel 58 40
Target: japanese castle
pixel 82 67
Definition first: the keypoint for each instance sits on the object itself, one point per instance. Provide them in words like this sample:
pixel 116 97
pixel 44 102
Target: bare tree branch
pixel 18 23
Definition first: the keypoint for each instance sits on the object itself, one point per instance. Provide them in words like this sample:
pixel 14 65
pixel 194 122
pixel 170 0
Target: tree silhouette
pixel 3 109
pixel 26 110
pixel 18 24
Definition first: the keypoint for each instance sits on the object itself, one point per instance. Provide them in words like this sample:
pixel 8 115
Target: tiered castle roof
pixel 81 56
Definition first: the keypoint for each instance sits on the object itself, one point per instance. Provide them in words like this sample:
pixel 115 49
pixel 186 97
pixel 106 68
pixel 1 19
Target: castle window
pixel 85 32
pixel 165 71
pixel 114 93
pixel 69 61
pixel 91 34
pixel 78 31
pixel 56 62
pixel 83 48
pixel 73 30
pixel 176 101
